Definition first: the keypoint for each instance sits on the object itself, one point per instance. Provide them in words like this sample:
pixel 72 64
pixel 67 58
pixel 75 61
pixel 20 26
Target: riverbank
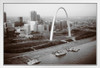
pixel 46 51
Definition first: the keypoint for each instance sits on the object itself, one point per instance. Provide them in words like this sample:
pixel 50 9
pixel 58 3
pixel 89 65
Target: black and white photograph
pixel 50 33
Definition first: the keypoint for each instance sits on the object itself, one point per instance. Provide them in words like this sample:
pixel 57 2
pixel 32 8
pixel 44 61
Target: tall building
pixel 38 18
pixel 5 22
pixel 33 16
pixel 34 26
pixel 27 29
pixel 61 27
pixel 5 18
pixel 46 27
pixel 10 30
pixel 41 28
pixel 5 27
pixel 34 23
pixel 21 19
pixel 64 24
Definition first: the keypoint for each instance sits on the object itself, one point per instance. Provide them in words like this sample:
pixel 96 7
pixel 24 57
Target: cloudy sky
pixel 50 9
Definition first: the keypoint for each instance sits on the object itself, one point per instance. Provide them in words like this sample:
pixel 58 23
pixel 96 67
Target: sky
pixel 50 9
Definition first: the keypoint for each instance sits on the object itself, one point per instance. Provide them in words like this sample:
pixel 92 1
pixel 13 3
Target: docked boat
pixel 60 53
pixel 34 61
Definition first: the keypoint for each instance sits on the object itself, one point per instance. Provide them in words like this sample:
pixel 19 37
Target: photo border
pixel 46 2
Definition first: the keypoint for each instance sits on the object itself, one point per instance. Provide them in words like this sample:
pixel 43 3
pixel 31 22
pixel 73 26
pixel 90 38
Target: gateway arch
pixel 54 18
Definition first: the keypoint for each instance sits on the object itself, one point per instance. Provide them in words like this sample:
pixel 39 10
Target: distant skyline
pixel 24 10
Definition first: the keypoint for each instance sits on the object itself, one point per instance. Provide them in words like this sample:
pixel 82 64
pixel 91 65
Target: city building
pixel 33 16
pixel 38 18
pixel 18 30
pixel 57 25
pixel 40 28
pixel 5 18
pixel 21 19
pixel 5 23
pixel 10 30
pixel 5 27
pixel 33 26
pixel 46 27
pixel 9 24
pixel 19 22
pixel 27 29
